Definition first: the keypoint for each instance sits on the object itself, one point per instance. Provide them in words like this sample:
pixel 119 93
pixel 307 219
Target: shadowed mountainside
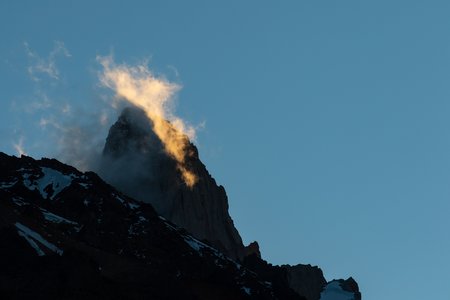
pixel 69 235
pixel 134 161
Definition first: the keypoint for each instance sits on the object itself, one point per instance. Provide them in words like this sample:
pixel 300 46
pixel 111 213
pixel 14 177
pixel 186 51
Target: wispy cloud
pixel 66 109
pixel 77 135
pixel 19 147
pixel 41 101
pixel 40 66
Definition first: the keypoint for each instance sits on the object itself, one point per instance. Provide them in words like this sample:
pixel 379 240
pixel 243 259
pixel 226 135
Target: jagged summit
pixel 67 234
pixel 134 161
pixel 132 132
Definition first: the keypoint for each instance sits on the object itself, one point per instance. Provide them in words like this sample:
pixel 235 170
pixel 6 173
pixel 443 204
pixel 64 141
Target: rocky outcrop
pixel 341 289
pixel 276 275
pixel 350 285
pixel 306 280
pixel 134 161
pixel 252 249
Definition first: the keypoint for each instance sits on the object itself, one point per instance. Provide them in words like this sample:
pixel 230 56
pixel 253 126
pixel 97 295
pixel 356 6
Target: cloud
pixel 66 108
pixel 19 147
pixel 76 133
pixel 77 136
pixel 45 66
pixel 41 101
pixel 139 86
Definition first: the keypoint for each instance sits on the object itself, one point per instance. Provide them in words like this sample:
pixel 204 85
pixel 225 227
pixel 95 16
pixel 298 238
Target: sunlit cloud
pixel 19 147
pixel 139 85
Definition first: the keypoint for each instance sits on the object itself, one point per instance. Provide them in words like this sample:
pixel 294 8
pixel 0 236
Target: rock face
pixel 306 280
pixel 350 285
pixel 276 275
pixel 134 162
pixel 252 249
pixel 69 235
pixel 341 290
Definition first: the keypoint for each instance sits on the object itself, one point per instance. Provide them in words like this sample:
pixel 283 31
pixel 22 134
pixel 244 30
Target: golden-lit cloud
pixel 139 86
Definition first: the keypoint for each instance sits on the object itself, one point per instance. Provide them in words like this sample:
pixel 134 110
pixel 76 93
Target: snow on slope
pixel 32 237
pixel 334 291
pixel 56 179
pixel 51 217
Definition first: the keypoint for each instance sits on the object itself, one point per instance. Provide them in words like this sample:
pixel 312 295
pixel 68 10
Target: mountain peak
pixel 132 132
pixel 134 161
pixel 67 234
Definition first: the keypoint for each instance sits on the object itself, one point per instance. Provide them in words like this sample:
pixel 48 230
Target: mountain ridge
pixel 60 226
pixel 73 239
pixel 169 240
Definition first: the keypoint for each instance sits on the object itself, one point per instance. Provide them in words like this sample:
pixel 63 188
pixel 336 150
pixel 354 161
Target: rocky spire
pixel 134 161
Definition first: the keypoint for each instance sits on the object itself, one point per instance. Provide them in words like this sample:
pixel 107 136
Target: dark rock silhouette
pixel 341 289
pixel 252 248
pixel 69 235
pixel 306 280
pixel 134 162
pixel 350 285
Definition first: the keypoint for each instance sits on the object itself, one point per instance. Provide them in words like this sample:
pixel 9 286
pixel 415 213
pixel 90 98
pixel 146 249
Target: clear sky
pixel 326 121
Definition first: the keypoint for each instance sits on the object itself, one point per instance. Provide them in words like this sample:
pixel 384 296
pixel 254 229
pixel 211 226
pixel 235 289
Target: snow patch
pixel 133 205
pixel 120 199
pixel 6 185
pixel 196 245
pixel 32 243
pixel 137 227
pixel 51 217
pixel 247 290
pixel 56 179
pixel 84 185
pixel 33 236
pixel 199 247
pixel 18 201
pixel 132 230
pixel 126 203
pixel 334 291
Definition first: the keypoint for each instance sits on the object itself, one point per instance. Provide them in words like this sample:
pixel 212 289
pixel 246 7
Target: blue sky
pixel 326 121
